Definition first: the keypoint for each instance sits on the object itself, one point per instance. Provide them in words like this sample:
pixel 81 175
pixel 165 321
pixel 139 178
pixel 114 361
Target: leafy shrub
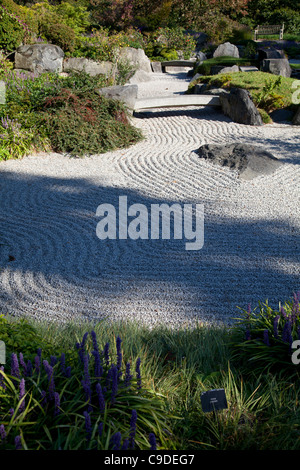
pixel 288 16
pixel 263 339
pixel 59 34
pixel 81 123
pixel 11 32
pixel 5 66
pixel 15 142
pixel 267 98
pixel 21 336
pixel 163 44
pixel 97 402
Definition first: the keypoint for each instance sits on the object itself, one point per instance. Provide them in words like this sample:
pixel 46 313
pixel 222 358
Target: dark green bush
pixel 11 32
pixel 59 34
pixel 21 336
pixel 288 16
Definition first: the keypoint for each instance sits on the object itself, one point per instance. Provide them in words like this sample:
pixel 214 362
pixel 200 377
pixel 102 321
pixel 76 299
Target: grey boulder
pixel 93 68
pixel 238 105
pixel 296 118
pixel 277 67
pixel 140 76
pixel 126 94
pixel 249 161
pixel 39 58
pixel 136 58
pixel 227 49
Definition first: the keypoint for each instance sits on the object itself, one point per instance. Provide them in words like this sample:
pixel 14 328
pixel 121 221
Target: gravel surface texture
pixel 54 267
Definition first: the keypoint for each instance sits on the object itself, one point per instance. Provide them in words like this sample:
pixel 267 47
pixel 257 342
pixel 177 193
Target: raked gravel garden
pixel 54 267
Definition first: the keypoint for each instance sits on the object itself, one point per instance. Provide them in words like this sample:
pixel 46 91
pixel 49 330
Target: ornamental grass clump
pixel 95 403
pixel 262 339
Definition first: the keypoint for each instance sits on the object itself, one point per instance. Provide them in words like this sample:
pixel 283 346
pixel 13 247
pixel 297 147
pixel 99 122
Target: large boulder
pixel 277 67
pixel 269 53
pixel 216 69
pixel 238 105
pixel 140 76
pixel 81 64
pixel 156 67
pixel 227 49
pixel 136 58
pixel 249 161
pixel 296 118
pixel 126 94
pixel 39 58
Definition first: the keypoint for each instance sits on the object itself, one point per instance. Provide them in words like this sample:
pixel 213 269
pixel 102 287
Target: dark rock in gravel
pixel 249 160
pixel 296 119
pixel 282 115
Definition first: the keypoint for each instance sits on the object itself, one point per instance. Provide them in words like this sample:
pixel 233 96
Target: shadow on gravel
pixel 48 241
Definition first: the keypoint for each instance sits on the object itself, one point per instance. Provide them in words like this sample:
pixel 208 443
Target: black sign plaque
pixel 213 400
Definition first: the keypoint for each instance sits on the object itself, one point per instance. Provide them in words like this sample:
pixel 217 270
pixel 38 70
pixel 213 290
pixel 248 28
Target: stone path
pixel 53 266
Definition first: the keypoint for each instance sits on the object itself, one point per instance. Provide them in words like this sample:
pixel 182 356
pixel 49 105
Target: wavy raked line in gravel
pixel 60 270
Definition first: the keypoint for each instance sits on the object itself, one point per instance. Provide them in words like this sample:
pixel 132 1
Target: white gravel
pixel 62 271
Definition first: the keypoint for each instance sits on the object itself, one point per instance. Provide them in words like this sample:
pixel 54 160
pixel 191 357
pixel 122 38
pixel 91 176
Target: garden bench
pixel 268 30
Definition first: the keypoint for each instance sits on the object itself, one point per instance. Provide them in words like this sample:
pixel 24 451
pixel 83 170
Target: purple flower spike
pixel 88 425
pixel 50 374
pixel 56 404
pixel 133 421
pixel 37 364
pixel 128 376
pixel 152 441
pixel 266 338
pixel 22 395
pixel 100 429
pixel 15 371
pixel 116 441
pixel 18 443
pixel 29 368
pixel 22 362
pixel 2 432
pixel 138 373
pixel 125 444
pixel 101 399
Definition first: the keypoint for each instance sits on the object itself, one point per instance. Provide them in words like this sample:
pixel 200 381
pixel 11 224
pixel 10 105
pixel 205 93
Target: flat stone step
pixel 176 101
pixel 177 63
pixel 250 68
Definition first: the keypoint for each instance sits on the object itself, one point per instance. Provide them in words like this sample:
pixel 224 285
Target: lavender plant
pixel 82 409
pixel 263 337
